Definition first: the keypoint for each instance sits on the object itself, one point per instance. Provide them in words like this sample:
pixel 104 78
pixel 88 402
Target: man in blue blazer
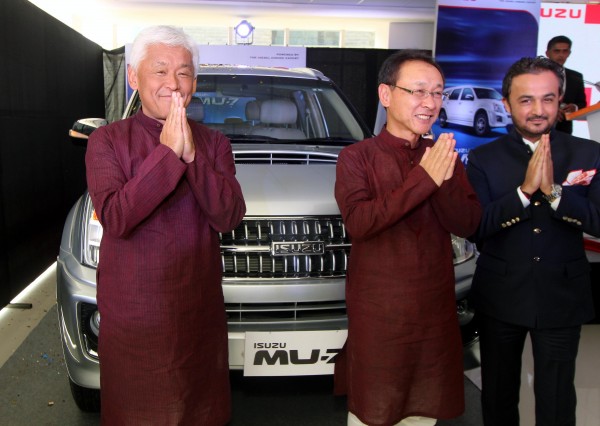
pixel 540 191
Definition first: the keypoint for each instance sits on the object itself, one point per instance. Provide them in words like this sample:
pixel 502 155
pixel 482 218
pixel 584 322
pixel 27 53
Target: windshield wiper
pixel 261 138
pixel 330 140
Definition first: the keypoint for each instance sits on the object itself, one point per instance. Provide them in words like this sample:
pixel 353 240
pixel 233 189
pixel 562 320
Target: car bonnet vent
pixel 285 157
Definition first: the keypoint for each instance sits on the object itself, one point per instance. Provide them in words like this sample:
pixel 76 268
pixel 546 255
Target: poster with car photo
pixel 476 42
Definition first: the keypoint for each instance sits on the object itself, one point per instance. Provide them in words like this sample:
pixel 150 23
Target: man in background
pixel 559 49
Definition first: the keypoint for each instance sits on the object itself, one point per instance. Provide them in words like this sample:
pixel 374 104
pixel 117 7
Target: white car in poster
pixel 478 107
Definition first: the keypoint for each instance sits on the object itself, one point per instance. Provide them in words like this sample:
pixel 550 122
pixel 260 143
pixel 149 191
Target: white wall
pixel 114 23
pixel 411 35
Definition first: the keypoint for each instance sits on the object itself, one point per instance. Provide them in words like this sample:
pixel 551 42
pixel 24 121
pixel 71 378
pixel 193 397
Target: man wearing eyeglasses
pixel 401 196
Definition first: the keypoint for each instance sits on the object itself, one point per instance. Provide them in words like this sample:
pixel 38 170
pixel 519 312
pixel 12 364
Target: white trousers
pixel 409 421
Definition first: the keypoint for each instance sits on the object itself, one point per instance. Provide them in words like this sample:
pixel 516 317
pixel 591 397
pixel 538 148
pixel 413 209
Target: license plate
pixel 294 353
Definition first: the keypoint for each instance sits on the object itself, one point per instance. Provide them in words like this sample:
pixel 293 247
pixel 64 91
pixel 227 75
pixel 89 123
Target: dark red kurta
pixel 163 334
pixel 403 355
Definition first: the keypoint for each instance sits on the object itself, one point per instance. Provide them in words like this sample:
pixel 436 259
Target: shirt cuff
pixel 523 197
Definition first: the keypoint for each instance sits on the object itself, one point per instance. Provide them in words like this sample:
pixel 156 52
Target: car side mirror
pixel 83 128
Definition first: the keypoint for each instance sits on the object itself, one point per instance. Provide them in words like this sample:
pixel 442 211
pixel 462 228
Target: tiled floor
pixel 587 380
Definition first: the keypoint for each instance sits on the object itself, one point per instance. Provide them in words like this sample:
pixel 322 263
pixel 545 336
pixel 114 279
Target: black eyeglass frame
pixel 422 93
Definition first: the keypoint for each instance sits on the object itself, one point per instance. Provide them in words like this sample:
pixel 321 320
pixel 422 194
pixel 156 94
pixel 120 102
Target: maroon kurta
pixel 163 334
pixel 403 355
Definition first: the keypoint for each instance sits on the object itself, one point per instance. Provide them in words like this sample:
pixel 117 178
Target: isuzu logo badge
pixel 292 248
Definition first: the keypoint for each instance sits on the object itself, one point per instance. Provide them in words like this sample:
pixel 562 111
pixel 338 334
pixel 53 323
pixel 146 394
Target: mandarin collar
pixel 148 122
pixel 390 139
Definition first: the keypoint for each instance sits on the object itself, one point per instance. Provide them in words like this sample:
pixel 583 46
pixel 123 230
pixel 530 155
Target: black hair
pixel 535 65
pixel 559 39
pixel 390 69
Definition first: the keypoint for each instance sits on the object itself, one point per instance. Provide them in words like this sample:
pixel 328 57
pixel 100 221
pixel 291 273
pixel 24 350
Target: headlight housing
pixel 463 250
pixel 92 234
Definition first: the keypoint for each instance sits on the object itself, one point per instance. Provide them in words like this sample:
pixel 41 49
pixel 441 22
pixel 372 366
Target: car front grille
pixel 285 248
pixel 284 157
pixel 267 313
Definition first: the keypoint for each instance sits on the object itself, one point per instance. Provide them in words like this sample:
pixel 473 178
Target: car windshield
pixel 269 109
pixel 483 93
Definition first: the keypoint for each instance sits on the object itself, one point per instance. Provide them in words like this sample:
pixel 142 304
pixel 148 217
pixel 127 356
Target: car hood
pixel 288 189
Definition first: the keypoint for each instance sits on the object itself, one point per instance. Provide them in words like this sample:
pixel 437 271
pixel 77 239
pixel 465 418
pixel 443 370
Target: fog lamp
pixel 95 323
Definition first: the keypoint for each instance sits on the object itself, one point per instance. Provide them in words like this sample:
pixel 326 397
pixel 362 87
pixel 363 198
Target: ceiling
pixel 332 7
pixel 359 4
pixel 356 8
pixel 345 4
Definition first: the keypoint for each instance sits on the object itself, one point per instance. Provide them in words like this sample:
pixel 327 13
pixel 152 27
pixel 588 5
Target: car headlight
pixel 463 250
pixel 498 108
pixel 92 234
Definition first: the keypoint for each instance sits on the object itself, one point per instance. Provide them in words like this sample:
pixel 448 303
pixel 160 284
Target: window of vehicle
pixel 315 108
pixel 467 95
pixel 454 95
pixel 483 93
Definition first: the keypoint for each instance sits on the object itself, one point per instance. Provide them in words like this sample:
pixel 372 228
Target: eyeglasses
pixel 422 93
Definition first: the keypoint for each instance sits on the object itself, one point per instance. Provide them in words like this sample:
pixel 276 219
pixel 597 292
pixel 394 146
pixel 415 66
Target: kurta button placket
pixel 537 230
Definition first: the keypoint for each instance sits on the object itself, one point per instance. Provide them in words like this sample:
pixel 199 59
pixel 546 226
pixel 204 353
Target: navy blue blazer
pixel 532 269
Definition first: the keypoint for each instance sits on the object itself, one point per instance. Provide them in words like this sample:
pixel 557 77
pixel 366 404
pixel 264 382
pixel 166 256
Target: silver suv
pixel 284 266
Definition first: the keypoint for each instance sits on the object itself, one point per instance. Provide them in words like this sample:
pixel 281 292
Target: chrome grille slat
pixel 246 251
pixel 284 157
pixel 277 313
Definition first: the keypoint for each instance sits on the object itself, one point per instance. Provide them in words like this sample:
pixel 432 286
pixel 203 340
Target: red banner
pixel 592 14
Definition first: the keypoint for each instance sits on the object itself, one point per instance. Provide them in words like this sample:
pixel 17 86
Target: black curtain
pixel 51 76
pixel 354 71
pixel 114 83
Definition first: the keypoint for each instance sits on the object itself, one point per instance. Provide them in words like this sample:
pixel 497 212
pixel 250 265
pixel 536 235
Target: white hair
pixel 162 34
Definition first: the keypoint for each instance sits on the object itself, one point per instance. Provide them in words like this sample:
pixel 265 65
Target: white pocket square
pixel 579 177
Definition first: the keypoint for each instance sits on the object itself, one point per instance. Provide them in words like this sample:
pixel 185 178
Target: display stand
pixel 592 115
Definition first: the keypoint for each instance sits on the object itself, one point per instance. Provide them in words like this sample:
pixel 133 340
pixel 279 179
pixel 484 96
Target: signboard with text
pixel 297 353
